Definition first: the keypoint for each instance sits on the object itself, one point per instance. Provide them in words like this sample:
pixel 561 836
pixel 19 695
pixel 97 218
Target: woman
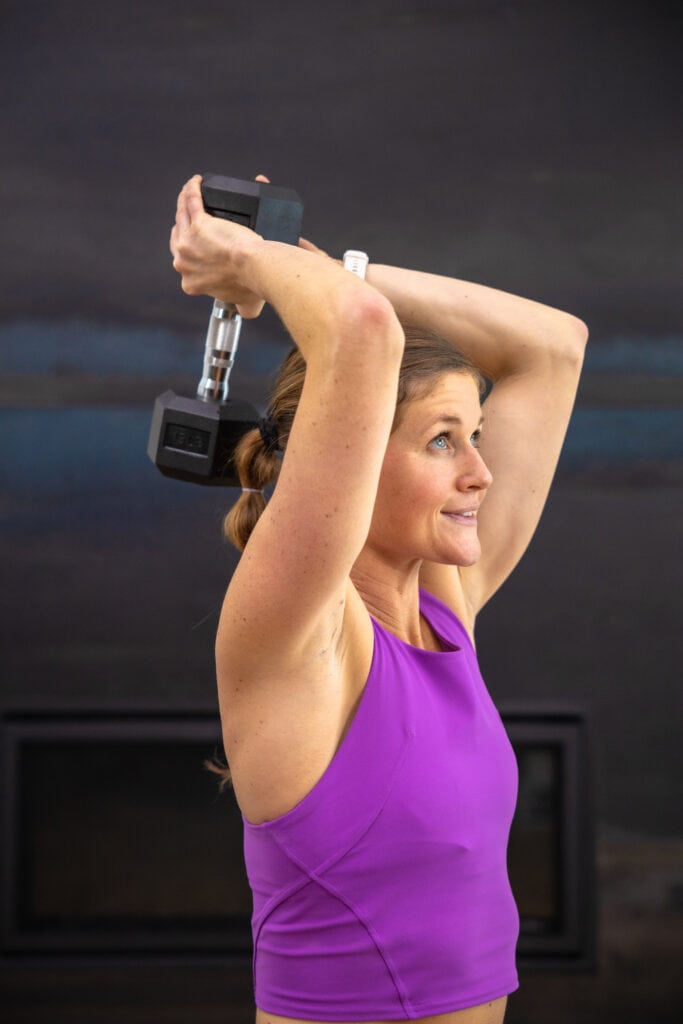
pixel 373 773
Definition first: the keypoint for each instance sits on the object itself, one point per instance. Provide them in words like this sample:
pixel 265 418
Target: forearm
pixel 318 301
pixel 326 309
pixel 501 333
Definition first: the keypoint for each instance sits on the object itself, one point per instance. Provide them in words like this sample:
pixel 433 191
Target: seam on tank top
pixel 386 959
pixel 273 903
pixel 365 925
pixel 356 837
pixel 313 875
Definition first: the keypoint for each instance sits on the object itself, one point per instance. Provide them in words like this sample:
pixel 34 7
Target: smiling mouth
pixel 469 516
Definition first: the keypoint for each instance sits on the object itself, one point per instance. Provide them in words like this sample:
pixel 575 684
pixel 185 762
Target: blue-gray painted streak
pixel 77 346
pixel 34 346
pixel 87 451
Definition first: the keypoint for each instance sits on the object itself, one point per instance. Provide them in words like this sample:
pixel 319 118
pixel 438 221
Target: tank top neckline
pixel 451 650
pixel 449 647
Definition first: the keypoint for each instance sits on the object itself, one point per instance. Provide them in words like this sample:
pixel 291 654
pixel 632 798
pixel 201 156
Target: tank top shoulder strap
pixel 445 622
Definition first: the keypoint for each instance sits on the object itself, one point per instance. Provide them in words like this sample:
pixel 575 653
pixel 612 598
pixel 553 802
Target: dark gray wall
pixel 534 143
pixel 531 145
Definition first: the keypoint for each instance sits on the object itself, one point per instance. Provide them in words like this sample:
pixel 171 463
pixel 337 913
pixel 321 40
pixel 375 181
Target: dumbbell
pixel 194 438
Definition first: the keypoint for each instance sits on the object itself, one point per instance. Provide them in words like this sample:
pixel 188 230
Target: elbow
pixel 579 333
pixel 370 320
pixel 572 340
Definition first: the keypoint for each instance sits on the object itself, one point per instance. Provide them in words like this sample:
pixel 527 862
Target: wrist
pixel 250 259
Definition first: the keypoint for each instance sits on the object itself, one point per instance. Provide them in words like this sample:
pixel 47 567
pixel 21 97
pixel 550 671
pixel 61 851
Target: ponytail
pixel 258 456
pixel 258 464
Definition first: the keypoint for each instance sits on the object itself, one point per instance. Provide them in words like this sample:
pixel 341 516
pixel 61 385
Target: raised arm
pixel 287 593
pixel 533 355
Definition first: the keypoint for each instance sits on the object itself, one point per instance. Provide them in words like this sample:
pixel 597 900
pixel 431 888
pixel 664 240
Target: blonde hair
pixel 426 357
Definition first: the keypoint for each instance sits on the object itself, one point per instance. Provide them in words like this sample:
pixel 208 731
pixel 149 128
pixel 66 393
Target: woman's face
pixel 433 479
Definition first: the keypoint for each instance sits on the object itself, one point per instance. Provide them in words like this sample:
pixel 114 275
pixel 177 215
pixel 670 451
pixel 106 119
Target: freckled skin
pixel 350 337
pixel 432 468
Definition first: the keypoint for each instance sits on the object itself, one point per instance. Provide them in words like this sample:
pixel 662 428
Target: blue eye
pixel 440 442
pixel 475 438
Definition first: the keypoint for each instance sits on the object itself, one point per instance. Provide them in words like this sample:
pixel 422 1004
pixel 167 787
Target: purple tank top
pixel 384 894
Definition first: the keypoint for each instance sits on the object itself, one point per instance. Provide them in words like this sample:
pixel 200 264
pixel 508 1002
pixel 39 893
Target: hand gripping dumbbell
pixel 194 438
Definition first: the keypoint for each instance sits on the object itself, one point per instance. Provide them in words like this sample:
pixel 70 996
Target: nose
pixel 475 475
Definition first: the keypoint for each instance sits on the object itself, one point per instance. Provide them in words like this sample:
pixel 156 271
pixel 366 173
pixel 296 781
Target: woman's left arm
pixel 533 355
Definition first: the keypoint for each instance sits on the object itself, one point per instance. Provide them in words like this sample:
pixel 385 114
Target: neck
pixel 392 598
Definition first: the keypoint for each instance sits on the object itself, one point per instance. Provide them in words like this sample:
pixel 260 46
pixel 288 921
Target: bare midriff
pixel 487 1013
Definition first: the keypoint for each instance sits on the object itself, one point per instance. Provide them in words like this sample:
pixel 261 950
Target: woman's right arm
pixel 288 589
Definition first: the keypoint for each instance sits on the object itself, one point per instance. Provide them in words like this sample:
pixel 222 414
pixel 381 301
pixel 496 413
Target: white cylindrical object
pixel 356 261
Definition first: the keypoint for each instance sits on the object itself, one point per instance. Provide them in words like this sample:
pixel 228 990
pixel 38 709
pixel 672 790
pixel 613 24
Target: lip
pixel 465 516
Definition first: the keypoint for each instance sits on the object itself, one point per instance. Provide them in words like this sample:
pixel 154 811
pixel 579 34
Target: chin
pixel 466 562
pixel 462 558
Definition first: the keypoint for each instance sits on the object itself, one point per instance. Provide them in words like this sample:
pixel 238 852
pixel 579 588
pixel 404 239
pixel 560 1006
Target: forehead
pixel 451 394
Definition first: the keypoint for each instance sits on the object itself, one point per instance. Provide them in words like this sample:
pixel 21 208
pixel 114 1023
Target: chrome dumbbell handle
pixel 222 339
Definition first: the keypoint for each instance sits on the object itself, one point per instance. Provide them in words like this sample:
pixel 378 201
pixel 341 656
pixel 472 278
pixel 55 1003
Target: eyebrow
pixel 447 417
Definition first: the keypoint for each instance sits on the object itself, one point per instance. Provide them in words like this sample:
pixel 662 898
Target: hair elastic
pixel 270 435
pixel 252 490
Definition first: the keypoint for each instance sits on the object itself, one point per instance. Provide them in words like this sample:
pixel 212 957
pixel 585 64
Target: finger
pixel 182 218
pixel 262 177
pixel 193 198
pixel 310 247
pixel 190 185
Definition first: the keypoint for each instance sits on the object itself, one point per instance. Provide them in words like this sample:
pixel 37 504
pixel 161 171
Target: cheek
pixel 412 474
pixel 394 501
pixel 403 501
pixel 391 480
pixel 389 510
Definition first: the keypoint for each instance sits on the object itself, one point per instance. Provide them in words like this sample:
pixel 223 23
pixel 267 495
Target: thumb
pixel 310 247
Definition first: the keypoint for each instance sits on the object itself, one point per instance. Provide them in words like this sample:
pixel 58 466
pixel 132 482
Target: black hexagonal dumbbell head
pixel 194 439
pixel 273 212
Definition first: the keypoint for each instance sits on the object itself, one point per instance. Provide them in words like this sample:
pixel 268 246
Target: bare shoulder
pixel 284 719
